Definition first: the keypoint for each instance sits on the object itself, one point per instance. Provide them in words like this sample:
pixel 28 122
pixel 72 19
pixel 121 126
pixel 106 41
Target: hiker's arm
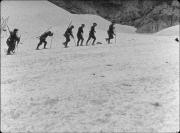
pixel 18 40
pixel 72 34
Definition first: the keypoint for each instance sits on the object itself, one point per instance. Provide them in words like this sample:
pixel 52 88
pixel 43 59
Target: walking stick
pixel 51 42
pixel 17 48
pixel 18 43
pixel 115 35
pixel 74 41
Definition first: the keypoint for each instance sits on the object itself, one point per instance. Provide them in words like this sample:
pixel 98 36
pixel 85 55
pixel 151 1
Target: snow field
pixel 130 86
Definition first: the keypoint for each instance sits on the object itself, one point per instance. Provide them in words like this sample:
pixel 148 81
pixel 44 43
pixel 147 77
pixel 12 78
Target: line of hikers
pixel 92 32
pixel 14 40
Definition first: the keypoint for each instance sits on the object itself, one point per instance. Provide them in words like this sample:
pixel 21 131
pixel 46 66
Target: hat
pixel 15 30
pixel 72 26
pixel 94 23
pixel 51 34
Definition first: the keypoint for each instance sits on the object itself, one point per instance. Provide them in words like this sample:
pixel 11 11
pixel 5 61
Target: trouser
pixel 80 38
pixel 93 37
pixel 110 37
pixel 11 47
pixel 67 40
pixel 40 43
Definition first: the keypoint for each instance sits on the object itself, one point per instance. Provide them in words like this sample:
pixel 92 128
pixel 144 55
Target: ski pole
pixel 18 43
pixel 51 42
pixel 16 48
pixel 74 41
pixel 70 24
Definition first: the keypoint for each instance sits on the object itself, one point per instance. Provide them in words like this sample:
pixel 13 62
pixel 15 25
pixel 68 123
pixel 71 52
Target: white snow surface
pixel 172 31
pixel 130 86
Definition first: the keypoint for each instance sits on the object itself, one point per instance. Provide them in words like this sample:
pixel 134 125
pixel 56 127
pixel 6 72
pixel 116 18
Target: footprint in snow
pixel 108 65
pixel 124 84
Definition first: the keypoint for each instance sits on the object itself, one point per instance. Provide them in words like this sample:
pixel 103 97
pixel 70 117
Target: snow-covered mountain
pixel 130 86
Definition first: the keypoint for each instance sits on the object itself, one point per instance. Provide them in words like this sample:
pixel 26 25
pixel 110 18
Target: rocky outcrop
pixel 148 16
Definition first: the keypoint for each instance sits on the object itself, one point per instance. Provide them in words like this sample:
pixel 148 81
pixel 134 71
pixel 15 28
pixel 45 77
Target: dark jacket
pixel 111 29
pixel 80 31
pixel 68 32
pixel 13 38
pixel 44 36
pixel 92 31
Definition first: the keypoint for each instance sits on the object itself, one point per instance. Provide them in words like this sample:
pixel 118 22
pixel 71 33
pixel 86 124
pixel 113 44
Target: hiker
pixel 42 39
pixel 110 32
pixel 12 41
pixel 80 35
pixel 67 35
pixel 92 34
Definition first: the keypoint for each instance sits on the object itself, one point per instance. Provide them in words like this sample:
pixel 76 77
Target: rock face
pixel 148 16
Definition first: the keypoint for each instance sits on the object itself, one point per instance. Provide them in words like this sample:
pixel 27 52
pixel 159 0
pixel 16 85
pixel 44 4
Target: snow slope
pixel 172 31
pixel 130 86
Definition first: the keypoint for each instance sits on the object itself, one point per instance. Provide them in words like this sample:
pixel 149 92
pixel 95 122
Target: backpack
pixel 66 33
pixel 8 41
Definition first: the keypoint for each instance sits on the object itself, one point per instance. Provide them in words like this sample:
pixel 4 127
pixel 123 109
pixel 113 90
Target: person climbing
pixel 110 32
pixel 12 41
pixel 92 34
pixel 42 39
pixel 80 35
pixel 67 35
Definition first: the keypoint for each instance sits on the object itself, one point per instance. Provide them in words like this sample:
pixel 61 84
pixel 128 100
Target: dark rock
pixel 156 104
pixel 99 43
pixel 177 40
pixel 148 16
